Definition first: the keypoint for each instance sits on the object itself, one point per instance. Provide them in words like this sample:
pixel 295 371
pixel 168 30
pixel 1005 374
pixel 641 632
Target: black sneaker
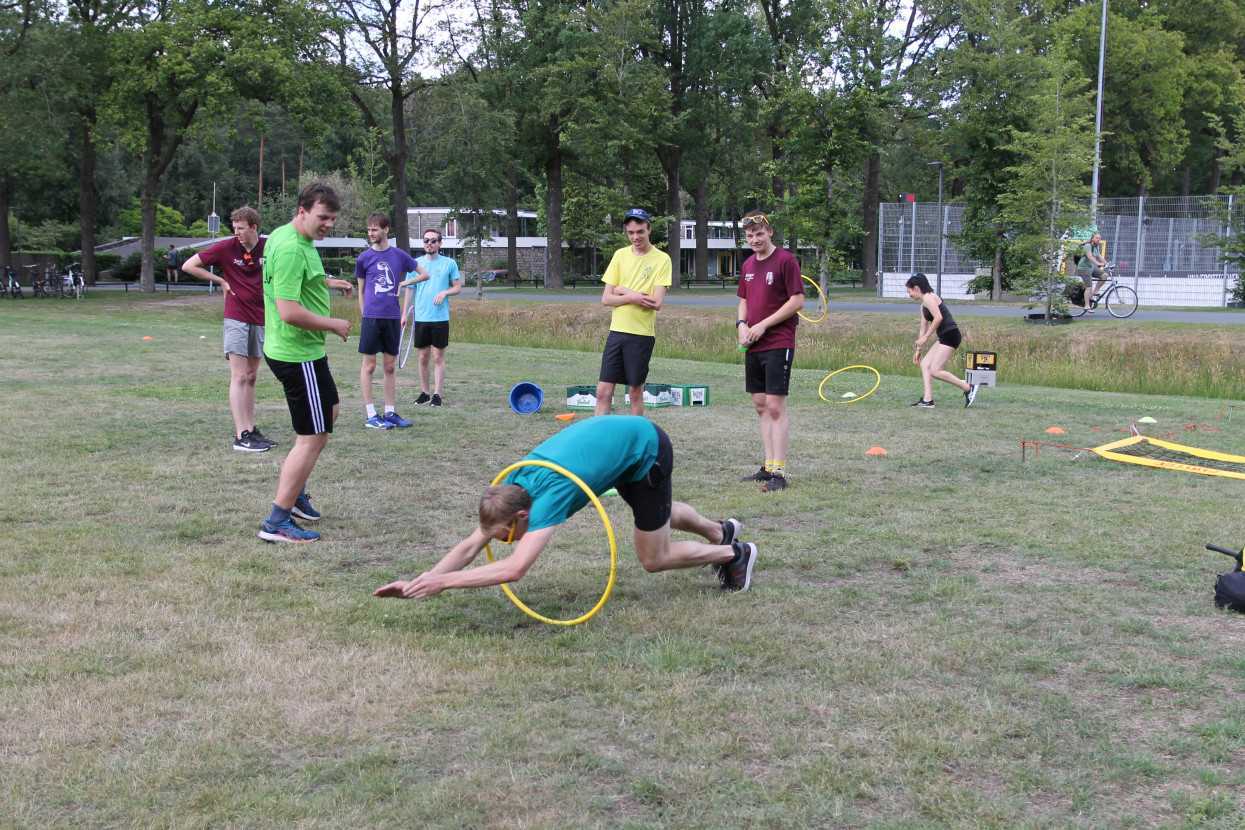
pixel 436 400
pixel 248 443
pixel 423 398
pixel 924 404
pixel 737 574
pixel 256 435
pixel 970 395
pixel 760 475
pixel 777 482
pixel 730 532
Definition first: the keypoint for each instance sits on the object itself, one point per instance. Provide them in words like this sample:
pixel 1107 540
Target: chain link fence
pixel 1164 246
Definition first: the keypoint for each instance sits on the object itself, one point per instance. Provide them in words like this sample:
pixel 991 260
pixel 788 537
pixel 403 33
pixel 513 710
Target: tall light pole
pixel 938 284
pixel 1102 56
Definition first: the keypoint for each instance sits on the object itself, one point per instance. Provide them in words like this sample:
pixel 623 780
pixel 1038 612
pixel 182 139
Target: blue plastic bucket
pixel 526 398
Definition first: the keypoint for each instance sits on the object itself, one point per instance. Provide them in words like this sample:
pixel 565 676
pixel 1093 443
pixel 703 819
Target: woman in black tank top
pixel 936 320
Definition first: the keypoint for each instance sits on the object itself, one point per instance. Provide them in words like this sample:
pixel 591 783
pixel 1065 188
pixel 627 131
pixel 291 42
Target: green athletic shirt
pixel 293 271
pixel 604 451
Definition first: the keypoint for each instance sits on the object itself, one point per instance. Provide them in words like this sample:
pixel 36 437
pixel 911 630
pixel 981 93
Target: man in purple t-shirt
pixel 241 279
pixel 770 293
pixel 378 270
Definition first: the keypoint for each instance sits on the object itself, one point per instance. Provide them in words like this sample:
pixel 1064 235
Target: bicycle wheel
pixel 408 338
pixel 1076 310
pixel 17 292
pixel 1122 301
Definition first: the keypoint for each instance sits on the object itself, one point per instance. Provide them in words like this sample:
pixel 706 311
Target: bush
pixel 340 264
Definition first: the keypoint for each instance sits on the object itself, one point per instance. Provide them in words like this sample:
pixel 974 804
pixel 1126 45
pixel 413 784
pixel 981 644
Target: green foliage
pixel 51 235
pixel 169 222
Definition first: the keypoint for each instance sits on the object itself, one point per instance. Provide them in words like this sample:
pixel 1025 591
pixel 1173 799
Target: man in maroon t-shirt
pixel 770 293
pixel 242 281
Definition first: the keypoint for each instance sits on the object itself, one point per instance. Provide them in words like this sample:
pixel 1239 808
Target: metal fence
pixel 1164 245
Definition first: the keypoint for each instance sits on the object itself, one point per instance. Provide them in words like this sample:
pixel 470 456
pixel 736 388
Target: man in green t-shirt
pixel 625 452
pixel 296 318
pixel 1090 267
pixel 635 286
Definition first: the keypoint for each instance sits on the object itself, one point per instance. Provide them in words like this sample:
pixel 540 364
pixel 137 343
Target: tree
pixel 194 61
pixel 384 43
pixel 1047 194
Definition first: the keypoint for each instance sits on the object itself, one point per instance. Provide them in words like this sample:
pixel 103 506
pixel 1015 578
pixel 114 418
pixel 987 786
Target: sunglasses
pixel 755 219
pixel 429 239
pixel 248 259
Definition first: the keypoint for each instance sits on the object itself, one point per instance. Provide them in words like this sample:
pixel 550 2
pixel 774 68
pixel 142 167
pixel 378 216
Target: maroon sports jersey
pixel 766 284
pixel 244 273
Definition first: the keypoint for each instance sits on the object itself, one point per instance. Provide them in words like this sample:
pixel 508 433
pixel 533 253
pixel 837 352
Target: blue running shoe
pixel 377 422
pixel 397 420
pixel 287 532
pixel 302 509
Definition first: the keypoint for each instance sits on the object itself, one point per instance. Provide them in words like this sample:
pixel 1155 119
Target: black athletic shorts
pixel 309 392
pixel 626 358
pixel 435 334
pixel 768 372
pixel 951 337
pixel 650 497
pixel 376 336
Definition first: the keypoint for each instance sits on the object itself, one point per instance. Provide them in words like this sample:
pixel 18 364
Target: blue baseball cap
pixel 637 213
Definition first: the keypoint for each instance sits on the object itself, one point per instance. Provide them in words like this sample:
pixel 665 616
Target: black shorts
pixel 626 358
pixel 435 334
pixel 650 497
pixel 309 392
pixel 377 335
pixel 768 372
pixel 951 337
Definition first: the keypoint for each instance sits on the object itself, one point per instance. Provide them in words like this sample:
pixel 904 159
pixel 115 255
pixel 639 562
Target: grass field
pixel 945 636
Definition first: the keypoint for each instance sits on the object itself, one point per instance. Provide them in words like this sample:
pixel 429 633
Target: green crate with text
pixel 689 394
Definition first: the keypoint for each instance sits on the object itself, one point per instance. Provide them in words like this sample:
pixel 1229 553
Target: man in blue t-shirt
pixel 379 270
pixel 626 452
pixel 432 314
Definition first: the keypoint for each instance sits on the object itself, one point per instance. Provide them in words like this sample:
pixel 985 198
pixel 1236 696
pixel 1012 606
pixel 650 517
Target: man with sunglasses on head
pixel 432 314
pixel 241 280
pixel 629 453
pixel 770 293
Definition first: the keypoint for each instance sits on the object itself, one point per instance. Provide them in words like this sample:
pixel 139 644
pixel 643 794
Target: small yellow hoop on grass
pixel 849 400
pixel 609 531
pixel 824 305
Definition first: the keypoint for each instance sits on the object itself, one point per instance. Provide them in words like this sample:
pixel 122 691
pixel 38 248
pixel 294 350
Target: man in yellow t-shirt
pixel 635 286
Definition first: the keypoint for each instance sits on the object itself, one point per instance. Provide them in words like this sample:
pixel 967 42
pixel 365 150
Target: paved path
pixel 728 300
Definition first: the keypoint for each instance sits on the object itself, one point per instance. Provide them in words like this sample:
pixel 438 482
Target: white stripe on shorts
pixel 313 397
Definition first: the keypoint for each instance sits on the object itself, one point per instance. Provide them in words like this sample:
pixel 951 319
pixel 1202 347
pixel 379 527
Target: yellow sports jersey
pixel 639 273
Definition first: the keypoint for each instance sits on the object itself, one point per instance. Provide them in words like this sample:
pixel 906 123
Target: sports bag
pixel 1230 587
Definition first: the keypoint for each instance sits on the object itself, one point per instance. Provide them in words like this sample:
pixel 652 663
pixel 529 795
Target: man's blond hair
pixel 501 503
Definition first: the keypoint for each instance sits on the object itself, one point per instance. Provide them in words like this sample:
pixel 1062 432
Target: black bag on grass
pixel 1230 587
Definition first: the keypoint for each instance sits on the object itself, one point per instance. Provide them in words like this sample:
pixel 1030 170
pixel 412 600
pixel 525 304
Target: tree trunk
pixel 86 199
pixel 777 186
pixel 996 290
pixel 512 227
pixel 702 228
pixel 1216 171
pixel 6 239
pixel 554 272
pixel 869 252
pixel 671 158
pixel 397 170
pixel 151 182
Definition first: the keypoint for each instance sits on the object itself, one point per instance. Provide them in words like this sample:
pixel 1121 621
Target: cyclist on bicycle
pixel 1090 266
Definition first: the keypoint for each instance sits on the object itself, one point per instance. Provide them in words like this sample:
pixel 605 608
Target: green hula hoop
pixel 609 531
pixel 825 307
pixel 849 400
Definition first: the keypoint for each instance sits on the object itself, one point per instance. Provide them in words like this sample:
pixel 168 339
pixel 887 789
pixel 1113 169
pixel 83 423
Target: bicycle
pixel 39 285
pixel 1120 300
pixel 11 285
pixel 75 285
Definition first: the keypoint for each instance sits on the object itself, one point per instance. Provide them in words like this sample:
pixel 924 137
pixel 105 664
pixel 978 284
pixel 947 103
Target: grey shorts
pixel 243 338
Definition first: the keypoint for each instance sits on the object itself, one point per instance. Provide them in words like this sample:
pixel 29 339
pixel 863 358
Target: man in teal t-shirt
pixel 432 314
pixel 296 318
pixel 626 452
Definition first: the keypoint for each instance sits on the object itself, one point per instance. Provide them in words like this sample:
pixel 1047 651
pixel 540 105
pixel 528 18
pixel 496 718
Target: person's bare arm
pixel 793 304
pixel 295 314
pixel 449 573
pixel 194 267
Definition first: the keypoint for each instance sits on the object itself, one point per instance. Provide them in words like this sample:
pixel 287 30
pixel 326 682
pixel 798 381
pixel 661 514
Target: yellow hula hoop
pixel 824 305
pixel 849 400
pixel 609 531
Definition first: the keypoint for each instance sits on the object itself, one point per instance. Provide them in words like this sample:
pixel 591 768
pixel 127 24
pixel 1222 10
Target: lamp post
pixel 938 284
pixel 1102 56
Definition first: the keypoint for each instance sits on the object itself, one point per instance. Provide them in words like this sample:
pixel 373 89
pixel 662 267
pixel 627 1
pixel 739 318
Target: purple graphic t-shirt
pixel 380 272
